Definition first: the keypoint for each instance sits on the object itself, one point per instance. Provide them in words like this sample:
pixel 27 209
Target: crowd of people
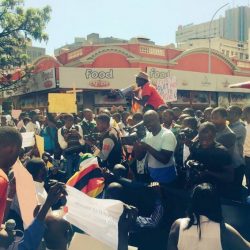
pixel 172 168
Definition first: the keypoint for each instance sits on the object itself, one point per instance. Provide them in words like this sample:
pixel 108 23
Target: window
pixel 152 51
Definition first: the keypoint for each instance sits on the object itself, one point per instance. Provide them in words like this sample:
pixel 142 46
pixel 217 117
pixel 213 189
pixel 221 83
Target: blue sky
pixel 155 19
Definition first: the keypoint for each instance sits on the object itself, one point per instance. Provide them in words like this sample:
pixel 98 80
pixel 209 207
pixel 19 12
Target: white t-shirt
pixel 165 140
pixel 247 142
pixel 33 127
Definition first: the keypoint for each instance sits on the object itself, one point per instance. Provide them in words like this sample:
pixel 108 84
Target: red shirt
pixel 154 97
pixel 3 193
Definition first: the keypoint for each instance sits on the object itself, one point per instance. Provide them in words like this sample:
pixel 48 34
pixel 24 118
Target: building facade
pixel 97 69
pixel 230 48
pixel 34 52
pixel 95 39
pixel 199 31
pixel 237 24
pixel 234 26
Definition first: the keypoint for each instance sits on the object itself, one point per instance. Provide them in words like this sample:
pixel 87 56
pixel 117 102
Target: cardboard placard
pixel 26 193
pixel 62 103
pixel 40 144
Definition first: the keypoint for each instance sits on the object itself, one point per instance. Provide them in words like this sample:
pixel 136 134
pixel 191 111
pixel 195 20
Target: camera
pixel 187 133
pixel 56 164
pixel 192 172
pixel 136 133
pixel 93 137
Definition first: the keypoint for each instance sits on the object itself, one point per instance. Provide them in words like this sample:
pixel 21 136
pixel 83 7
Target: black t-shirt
pixel 115 156
pixel 215 159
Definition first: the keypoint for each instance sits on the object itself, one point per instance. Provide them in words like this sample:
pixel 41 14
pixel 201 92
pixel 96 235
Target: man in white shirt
pixel 33 125
pixel 70 139
pixel 159 144
pixel 246 114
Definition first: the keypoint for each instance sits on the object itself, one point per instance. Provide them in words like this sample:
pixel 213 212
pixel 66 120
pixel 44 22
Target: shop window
pixel 241 99
pixel 183 97
pixel 200 98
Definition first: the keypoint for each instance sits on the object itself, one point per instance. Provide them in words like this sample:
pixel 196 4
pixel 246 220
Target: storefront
pixel 99 69
pixel 33 94
pixel 201 90
pixel 97 85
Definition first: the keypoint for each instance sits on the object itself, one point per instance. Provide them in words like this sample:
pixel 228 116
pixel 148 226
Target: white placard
pixel 28 139
pixel 98 218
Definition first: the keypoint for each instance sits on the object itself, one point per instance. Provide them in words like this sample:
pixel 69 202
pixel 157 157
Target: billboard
pixel 38 82
pixel 97 78
pixel 197 81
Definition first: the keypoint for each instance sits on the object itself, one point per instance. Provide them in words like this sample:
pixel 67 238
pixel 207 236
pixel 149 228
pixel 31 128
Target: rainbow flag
pixel 89 179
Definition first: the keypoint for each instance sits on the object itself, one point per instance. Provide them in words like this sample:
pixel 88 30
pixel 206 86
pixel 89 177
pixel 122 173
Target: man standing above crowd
pixel 159 146
pixel 237 126
pixel 151 99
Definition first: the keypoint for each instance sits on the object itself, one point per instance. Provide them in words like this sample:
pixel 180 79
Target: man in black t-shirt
pixel 215 158
pixel 109 152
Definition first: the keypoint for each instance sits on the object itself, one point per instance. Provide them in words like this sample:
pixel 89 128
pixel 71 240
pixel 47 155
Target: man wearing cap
pixel 151 99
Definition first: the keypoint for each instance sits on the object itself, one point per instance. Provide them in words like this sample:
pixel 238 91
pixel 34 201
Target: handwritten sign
pixel 98 218
pixel 62 103
pixel 167 88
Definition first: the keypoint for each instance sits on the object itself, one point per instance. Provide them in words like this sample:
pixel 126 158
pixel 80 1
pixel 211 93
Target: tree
pixel 18 26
